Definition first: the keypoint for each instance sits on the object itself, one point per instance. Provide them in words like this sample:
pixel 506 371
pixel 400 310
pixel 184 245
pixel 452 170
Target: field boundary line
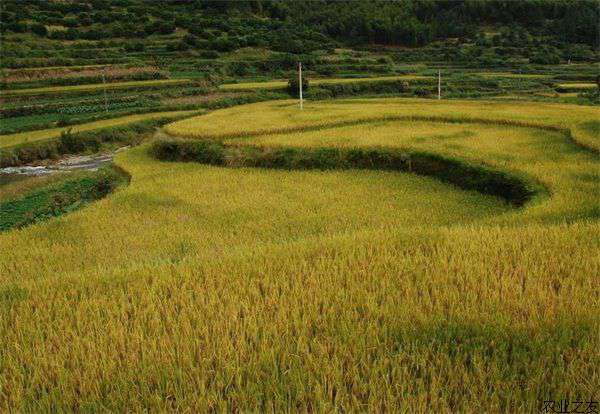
pixel 513 187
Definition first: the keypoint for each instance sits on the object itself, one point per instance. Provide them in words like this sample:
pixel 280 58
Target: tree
pixel 17 27
pixel 190 39
pixel 224 44
pixel 293 84
pixel 71 34
pixel 545 57
pixel 70 22
pixel 134 47
pixel 39 29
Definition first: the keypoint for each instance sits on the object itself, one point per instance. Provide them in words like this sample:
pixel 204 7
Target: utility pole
pixel 439 84
pixel 104 84
pixel 300 81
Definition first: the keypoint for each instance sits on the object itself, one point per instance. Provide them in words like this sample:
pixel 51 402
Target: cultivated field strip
pixel 281 116
pixel 11 140
pixel 514 189
pixel 279 84
pixel 51 90
pixel 440 145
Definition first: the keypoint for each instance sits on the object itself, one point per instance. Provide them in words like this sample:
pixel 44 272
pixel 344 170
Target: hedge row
pixel 512 188
pixel 73 143
pixel 60 198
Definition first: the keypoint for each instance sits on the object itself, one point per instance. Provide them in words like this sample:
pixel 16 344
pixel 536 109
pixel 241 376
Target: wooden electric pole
pixel 439 84
pixel 104 87
pixel 300 81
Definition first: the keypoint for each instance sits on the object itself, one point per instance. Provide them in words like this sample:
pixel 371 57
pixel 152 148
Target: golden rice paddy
pixel 237 289
pixel 277 84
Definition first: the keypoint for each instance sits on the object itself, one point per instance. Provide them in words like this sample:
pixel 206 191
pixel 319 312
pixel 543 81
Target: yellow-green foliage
pixel 517 149
pixel 283 116
pixel 200 287
pixel 92 87
pixel 43 134
pixel 245 86
pixel 15 189
pixel 577 85
pixel 511 75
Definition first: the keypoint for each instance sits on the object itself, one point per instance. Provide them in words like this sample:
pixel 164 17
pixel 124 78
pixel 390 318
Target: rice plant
pixel 202 287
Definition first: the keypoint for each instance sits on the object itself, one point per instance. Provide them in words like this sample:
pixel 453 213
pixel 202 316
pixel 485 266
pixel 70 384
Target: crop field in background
pixel 91 87
pixel 281 116
pixel 577 86
pixel 44 134
pixel 283 83
pixel 511 75
pixel 224 288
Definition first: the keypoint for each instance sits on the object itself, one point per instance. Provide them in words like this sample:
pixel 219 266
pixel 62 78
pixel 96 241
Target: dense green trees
pixel 300 26
pixel 39 29
pixel 414 23
pixel 294 85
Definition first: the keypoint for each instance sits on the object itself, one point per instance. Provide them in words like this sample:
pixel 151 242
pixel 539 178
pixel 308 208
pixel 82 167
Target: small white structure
pixel 300 81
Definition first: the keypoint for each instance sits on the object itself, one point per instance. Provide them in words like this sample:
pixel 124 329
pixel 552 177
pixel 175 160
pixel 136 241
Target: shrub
pixel 422 92
pixel 223 44
pixel 134 47
pixel 545 57
pixel 209 54
pixel 39 29
pixel 358 88
pixel 493 182
pixel 60 198
pixel 190 40
pixel 319 93
pixel 63 121
pixel 17 27
pixel 72 143
pixel 326 70
pixel 293 85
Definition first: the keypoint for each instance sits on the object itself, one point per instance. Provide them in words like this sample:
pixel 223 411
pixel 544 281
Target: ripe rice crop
pixel 44 134
pixel 577 86
pixel 510 75
pixel 281 116
pixel 93 87
pixel 278 84
pixel 111 74
pixel 203 287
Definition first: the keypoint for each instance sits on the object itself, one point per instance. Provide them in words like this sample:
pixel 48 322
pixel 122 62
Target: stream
pixel 70 163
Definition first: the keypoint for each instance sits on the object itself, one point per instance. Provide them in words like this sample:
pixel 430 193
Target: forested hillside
pixel 487 31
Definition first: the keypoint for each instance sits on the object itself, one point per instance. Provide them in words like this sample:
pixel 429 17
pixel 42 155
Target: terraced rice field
pixel 278 84
pixel 577 85
pixel 264 118
pixel 225 287
pixel 511 75
pixel 92 87
pixel 10 140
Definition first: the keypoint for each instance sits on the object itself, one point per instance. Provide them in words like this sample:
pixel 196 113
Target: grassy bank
pixel 453 171
pixel 70 193
pixel 47 134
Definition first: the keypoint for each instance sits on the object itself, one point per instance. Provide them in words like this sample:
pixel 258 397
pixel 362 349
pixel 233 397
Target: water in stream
pixel 77 162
